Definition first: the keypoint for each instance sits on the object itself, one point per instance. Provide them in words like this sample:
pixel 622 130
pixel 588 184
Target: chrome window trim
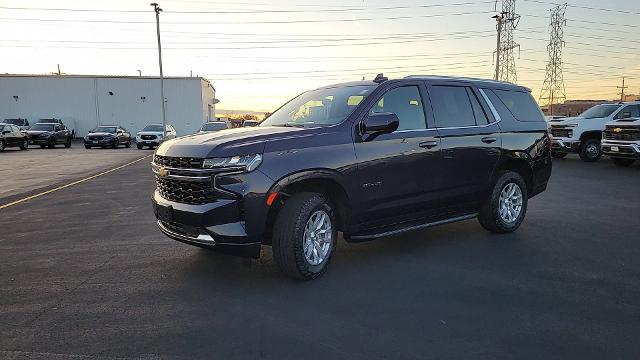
pixel 491 107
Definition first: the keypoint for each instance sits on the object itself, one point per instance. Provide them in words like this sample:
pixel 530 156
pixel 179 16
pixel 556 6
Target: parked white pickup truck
pixel 583 134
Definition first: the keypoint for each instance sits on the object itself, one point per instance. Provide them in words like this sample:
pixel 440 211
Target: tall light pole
pixel 157 10
pixel 499 19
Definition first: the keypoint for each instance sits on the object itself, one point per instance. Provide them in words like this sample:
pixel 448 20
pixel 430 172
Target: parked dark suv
pixel 369 159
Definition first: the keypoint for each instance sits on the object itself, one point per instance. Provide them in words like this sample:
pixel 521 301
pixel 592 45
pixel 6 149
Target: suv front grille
pixel 188 192
pixel 179 162
pixel 561 132
pixel 95 137
pixel 147 137
pixel 625 134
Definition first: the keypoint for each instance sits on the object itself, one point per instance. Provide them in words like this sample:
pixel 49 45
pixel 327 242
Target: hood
pixel 101 134
pixel 632 122
pixel 565 121
pixel 156 133
pixel 230 142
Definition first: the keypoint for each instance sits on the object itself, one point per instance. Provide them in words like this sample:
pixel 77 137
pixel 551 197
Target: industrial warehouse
pixel 83 102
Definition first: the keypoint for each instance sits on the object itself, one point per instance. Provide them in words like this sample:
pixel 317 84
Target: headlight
pixel 245 162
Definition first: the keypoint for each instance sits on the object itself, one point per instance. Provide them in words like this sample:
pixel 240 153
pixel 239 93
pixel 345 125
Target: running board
pixel 411 228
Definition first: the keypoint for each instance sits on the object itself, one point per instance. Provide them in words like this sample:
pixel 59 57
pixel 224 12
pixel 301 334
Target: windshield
pixel 214 126
pixel 47 121
pixel 156 128
pixel 599 111
pixel 19 122
pixel 42 127
pixel 104 129
pixel 319 107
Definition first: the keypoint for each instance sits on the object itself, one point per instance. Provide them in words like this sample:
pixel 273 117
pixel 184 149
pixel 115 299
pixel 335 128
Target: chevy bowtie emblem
pixel 162 172
pixel 617 130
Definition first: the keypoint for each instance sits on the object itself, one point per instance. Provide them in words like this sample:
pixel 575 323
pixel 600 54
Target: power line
pixel 305 21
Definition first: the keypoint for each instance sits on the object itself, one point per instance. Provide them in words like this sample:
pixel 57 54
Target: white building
pixel 84 101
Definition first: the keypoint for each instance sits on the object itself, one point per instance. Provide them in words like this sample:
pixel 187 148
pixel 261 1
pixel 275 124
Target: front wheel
pixel 115 143
pixel 590 150
pixel 25 144
pixel 558 155
pixel 304 236
pixel 504 210
pixel 128 144
pixel 67 143
pixel 623 162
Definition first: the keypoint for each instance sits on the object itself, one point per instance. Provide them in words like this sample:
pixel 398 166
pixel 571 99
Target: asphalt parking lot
pixel 85 274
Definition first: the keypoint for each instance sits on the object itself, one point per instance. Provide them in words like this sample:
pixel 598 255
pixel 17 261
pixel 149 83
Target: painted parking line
pixel 72 184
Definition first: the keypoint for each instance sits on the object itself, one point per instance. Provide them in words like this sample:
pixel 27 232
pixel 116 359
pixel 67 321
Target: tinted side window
pixel 629 112
pixel 451 106
pixel 405 102
pixel 520 104
pixel 478 111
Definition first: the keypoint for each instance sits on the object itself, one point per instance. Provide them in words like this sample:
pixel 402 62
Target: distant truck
pixel 582 134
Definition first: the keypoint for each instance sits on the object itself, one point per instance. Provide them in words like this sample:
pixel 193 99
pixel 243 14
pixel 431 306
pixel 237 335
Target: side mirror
pixel 379 123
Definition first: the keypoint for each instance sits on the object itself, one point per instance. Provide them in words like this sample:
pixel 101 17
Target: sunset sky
pixel 260 53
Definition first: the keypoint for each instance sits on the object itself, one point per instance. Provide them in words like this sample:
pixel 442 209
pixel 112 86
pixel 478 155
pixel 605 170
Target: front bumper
pixel 565 145
pixel 102 142
pixel 237 221
pixel 38 141
pixel 148 142
pixel 621 149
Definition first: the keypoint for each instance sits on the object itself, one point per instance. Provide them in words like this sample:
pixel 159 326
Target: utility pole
pixel 499 19
pixel 621 93
pixel 59 73
pixel 157 10
pixel 507 22
pixel 553 89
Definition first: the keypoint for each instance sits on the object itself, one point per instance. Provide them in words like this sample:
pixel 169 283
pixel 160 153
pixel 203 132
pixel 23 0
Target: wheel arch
pixel 588 135
pixel 521 165
pixel 325 181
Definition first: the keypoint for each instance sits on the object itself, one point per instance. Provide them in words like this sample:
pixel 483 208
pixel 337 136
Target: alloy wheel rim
pixel 592 150
pixel 510 203
pixel 318 233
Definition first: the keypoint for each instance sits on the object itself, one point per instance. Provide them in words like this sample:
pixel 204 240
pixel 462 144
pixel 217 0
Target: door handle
pixel 428 144
pixel 488 140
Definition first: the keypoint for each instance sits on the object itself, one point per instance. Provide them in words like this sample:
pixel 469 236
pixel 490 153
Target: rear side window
pixel 520 104
pixel 451 106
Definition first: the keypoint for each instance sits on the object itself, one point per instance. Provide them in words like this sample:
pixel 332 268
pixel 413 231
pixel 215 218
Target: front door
pixel 471 143
pixel 396 171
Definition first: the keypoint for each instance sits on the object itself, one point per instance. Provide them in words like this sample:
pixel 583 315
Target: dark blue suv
pixel 368 159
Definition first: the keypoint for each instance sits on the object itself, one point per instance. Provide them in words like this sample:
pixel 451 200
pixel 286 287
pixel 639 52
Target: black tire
pixel 139 146
pixel 623 162
pixel 590 150
pixel 87 147
pixel 51 143
pixel 2 145
pixel 67 143
pixel 42 146
pixel 489 216
pixel 558 155
pixel 127 144
pixel 288 235
pixel 25 144
pixel 115 144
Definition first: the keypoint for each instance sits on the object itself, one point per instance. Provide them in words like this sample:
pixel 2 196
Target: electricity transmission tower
pixel 553 90
pixel 506 23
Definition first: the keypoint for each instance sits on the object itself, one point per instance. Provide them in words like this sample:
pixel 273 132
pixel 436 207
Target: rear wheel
pixel 304 236
pixel 128 143
pixel 623 162
pixel 506 206
pixel 25 144
pixel 51 143
pixel 558 155
pixel 590 150
pixel 139 146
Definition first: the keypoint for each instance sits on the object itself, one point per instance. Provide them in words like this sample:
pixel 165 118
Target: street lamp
pixel 157 10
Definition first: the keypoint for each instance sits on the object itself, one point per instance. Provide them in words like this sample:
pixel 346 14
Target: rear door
pixel 397 172
pixel 471 143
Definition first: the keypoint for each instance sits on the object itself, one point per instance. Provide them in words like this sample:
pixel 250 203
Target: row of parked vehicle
pixel 606 129
pixel 47 133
